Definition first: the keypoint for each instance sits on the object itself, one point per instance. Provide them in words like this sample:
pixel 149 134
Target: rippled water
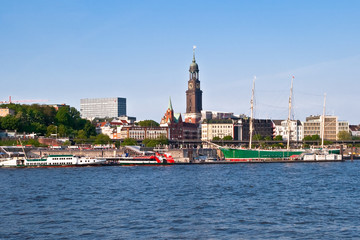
pixel 241 201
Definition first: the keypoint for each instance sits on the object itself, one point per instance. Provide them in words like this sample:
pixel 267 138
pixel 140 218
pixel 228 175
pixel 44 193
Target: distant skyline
pixel 141 50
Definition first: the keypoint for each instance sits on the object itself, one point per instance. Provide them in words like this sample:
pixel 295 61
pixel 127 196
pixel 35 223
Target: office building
pixel 91 108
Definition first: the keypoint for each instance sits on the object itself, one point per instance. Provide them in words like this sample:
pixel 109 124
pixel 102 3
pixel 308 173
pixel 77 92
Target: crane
pixel 24 101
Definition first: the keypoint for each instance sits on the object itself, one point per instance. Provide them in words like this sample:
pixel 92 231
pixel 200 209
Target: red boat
pixel 158 159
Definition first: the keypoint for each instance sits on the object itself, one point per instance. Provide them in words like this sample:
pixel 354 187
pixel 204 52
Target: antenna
pixel 252 112
pixel 323 123
pixel 289 116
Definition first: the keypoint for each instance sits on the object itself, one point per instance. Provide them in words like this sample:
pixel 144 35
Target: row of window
pixel 62 158
pixel 44 164
pixel 220 126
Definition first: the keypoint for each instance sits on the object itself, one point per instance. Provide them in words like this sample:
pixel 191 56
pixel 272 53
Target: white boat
pixel 11 161
pixel 51 161
pixel 321 156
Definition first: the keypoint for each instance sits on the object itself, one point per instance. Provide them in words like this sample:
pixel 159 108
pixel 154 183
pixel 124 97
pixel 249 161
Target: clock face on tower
pixel 198 85
pixel 191 85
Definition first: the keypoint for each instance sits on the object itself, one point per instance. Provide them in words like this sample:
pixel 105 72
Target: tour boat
pixel 50 161
pixel 158 159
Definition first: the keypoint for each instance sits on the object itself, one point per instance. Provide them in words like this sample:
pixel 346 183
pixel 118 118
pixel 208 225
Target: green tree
pixel 315 137
pixel 102 139
pixel 258 137
pixel 80 123
pixel 63 116
pixel 37 128
pixel 63 130
pixel 216 138
pixel 312 138
pixel 148 123
pixel 52 129
pixel 227 138
pixel 161 140
pixel 89 129
pixel 149 142
pixel 9 122
pixel 307 138
pixel 278 138
pixel 81 137
pixel 344 135
pixel 129 142
pixel 81 134
pixel 268 138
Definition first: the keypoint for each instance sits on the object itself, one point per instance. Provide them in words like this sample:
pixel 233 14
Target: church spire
pixel 194 47
pixel 170 105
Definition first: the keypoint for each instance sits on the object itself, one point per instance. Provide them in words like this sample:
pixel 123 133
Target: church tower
pixel 193 94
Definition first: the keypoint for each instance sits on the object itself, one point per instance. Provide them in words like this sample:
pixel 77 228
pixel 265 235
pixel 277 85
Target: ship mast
pixel 288 120
pixel 252 113
pixel 323 123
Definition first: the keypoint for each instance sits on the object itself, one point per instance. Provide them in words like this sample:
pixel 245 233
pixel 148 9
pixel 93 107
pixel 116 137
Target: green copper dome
pixel 193 66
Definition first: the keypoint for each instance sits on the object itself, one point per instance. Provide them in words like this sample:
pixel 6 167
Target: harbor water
pixel 240 201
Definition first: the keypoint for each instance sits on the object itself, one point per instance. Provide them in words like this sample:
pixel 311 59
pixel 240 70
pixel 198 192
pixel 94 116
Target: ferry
pixel 157 159
pixel 50 161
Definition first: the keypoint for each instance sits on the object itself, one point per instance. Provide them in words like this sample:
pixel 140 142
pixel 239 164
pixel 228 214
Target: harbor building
pixel 104 128
pixel 193 94
pixel 355 130
pixel 238 129
pixel 218 128
pixel 313 126
pixel 343 126
pixel 140 133
pixel 296 129
pixel 262 127
pixel 91 108
pixel 278 129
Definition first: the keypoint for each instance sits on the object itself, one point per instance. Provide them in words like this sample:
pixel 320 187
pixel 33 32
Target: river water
pixel 240 201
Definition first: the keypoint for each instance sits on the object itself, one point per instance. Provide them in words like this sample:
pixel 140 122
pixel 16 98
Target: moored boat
pixel 51 161
pixel 158 159
pixel 248 155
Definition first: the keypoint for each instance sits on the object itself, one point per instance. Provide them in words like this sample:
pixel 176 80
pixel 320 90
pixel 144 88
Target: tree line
pixel 44 120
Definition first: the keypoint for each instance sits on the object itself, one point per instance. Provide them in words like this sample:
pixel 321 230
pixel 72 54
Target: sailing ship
pixel 253 155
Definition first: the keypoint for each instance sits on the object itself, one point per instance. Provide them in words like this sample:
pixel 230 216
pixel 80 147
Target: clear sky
pixel 141 50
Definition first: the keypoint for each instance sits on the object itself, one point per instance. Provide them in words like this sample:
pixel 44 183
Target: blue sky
pixel 141 50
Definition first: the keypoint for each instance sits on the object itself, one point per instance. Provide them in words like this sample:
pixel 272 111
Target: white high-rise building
pixel 91 108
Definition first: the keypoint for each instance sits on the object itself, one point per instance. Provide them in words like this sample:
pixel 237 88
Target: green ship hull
pixel 247 155
pixel 232 154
